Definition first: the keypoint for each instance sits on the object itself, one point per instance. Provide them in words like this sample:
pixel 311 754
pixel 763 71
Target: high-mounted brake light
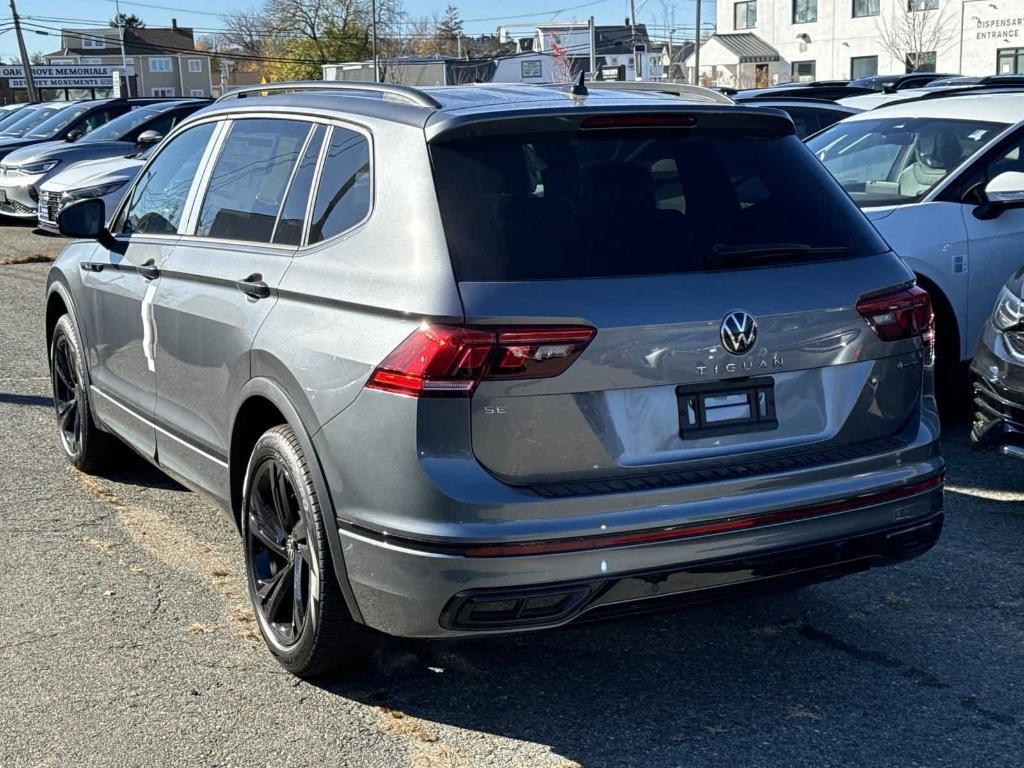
pixel 901 315
pixel 639 121
pixel 439 360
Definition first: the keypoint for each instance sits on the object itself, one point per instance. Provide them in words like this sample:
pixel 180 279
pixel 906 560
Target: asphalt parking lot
pixel 127 639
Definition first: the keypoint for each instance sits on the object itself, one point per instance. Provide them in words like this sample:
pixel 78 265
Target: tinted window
pixel 899 160
pixel 58 121
pixel 343 197
pixel 12 117
pixel 159 197
pixel 293 213
pixel 36 117
pixel 250 178
pixel 608 203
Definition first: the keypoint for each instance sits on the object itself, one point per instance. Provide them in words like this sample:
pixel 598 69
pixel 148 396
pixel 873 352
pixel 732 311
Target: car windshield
pixel 564 205
pixel 12 116
pixel 29 119
pixel 122 126
pixel 898 160
pixel 57 122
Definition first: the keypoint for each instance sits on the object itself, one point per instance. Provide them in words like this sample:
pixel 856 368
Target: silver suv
pixel 483 359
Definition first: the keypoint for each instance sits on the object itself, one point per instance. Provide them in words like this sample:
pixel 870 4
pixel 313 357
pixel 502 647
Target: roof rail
pixel 966 90
pixel 672 89
pixel 403 92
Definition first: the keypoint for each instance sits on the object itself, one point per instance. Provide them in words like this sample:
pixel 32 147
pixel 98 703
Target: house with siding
pixel 163 60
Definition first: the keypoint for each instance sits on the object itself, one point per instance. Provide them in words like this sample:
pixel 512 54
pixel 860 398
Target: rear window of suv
pixel 563 205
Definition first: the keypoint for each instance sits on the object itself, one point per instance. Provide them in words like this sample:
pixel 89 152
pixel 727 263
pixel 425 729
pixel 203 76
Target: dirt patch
pixel 172 544
pixel 26 258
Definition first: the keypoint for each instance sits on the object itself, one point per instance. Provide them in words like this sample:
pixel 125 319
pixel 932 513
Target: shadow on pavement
pixel 12 398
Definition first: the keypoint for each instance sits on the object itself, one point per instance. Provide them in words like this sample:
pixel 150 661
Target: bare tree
pixel 915 34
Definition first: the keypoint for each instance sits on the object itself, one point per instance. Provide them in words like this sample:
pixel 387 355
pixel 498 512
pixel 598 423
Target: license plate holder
pixel 726 407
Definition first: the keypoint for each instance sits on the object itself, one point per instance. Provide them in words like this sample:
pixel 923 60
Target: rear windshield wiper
pixel 741 255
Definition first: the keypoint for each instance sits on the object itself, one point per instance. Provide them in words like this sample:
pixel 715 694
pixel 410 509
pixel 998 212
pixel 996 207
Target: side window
pixel 249 179
pixel 293 212
pixel 159 197
pixel 162 124
pixel 343 196
pixel 100 117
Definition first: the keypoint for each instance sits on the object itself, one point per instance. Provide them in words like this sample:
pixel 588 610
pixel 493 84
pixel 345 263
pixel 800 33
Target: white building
pixel 763 42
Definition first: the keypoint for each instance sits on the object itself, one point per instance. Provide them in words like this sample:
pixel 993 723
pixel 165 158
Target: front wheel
pixel 84 444
pixel 299 607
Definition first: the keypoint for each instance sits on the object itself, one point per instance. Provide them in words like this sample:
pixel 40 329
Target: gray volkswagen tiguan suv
pixel 484 359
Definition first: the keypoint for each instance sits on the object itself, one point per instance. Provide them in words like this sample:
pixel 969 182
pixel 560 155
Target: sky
pixel 479 15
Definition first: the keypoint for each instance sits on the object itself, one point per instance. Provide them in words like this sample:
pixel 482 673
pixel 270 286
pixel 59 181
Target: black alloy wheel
pixel 67 393
pixel 283 570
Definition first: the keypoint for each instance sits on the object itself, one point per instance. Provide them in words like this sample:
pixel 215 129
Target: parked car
pixel 830 90
pixel 899 82
pixel 416 349
pixel 107 179
pixel 809 115
pixel 997 371
pixel 24 170
pixel 925 172
pixel 64 121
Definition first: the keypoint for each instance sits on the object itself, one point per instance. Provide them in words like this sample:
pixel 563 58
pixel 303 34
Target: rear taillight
pixel 438 360
pixel 901 315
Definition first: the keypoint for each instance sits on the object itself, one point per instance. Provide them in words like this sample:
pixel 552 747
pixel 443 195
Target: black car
pixel 893 83
pixel 997 372
pixel 65 121
pixel 809 115
pixel 829 90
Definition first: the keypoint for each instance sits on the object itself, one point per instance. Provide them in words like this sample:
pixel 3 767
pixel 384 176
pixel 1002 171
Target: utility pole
pixel 668 76
pixel 696 50
pixel 124 59
pixel 373 39
pixel 593 47
pixel 632 37
pixel 26 63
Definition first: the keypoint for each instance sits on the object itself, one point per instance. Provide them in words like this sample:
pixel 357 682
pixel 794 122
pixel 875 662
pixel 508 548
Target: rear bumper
pixel 424 593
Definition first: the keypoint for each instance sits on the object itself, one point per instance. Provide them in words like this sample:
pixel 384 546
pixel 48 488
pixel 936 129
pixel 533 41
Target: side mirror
pixel 75 135
pixel 148 138
pixel 1004 192
pixel 85 220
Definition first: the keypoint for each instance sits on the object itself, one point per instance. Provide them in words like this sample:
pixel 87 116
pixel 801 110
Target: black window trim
pixel 794 19
pixel 854 14
pixel 197 192
pixel 747 3
pixel 315 185
pixel 122 208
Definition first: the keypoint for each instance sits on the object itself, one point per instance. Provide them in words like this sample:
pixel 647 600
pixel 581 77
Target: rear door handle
pixel 149 270
pixel 253 286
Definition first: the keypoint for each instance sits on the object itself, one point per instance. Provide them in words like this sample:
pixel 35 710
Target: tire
pixel 303 618
pixel 86 446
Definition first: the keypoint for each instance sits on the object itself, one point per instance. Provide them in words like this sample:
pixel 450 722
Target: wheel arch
pixel 945 316
pixel 263 404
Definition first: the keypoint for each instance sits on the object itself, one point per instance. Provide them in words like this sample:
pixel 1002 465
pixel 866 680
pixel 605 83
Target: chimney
pixel 174 24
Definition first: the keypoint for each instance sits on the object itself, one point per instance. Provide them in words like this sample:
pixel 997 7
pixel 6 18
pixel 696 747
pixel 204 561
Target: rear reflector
pixel 439 360
pixel 699 529
pixel 901 315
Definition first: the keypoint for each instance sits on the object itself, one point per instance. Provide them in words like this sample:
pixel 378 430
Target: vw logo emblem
pixel 739 332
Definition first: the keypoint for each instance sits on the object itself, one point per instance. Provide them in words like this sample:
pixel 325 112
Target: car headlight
pixel 34 169
pixel 101 190
pixel 1009 312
